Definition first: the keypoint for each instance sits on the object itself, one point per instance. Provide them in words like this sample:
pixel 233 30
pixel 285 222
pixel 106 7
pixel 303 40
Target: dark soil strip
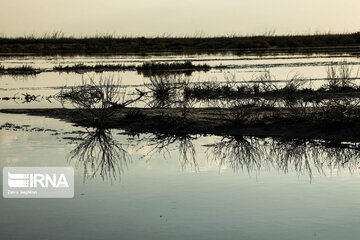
pixel 261 123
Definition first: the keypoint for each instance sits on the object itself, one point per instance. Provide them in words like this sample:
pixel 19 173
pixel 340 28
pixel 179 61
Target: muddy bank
pixel 261 122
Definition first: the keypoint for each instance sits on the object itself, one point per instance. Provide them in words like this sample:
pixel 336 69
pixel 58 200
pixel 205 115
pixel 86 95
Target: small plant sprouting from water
pixel 294 84
pixel 167 89
pixel 163 88
pixel 264 82
pixel 21 70
pixel 99 98
pixel 341 76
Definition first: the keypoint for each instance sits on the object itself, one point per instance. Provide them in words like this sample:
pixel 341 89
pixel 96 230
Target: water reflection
pixel 310 155
pixel 165 143
pixel 299 155
pixel 99 153
pixel 238 153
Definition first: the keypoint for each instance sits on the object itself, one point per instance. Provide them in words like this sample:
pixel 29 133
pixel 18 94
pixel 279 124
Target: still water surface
pixel 152 186
pixel 247 189
pixel 240 70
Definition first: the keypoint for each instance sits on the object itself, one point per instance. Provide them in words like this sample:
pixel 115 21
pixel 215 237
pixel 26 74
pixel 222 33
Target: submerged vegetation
pixel 150 69
pixel 340 83
pixel 108 44
pixel 147 69
pixel 172 103
pixel 81 68
pixel 332 110
pixel 177 110
pixel 21 70
pixel 206 91
pixel 340 76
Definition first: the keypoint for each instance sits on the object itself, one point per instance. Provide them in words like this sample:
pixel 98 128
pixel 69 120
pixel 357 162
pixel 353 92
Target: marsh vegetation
pixel 109 44
pixel 261 107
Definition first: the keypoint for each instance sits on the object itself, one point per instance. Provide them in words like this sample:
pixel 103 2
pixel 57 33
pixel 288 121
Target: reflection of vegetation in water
pixel 164 143
pixel 238 153
pixel 99 153
pixel 322 155
pixel 303 156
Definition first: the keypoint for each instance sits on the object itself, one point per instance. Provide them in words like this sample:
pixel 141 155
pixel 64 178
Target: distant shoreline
pixel 322 43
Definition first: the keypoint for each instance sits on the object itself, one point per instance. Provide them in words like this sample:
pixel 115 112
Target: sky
pixel 177 17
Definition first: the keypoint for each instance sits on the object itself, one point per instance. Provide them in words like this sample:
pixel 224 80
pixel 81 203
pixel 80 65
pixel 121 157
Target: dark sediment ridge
pixel 260 123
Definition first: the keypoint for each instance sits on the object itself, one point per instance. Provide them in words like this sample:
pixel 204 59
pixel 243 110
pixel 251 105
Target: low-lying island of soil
pixel 258 122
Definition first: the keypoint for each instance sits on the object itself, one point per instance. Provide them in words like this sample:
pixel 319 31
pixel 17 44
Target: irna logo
pixel 38 182
pixel 18 180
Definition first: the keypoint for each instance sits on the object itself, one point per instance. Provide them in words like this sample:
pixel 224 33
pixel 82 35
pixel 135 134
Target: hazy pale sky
pixel 177 17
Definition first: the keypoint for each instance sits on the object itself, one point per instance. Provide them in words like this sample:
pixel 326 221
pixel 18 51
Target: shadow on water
pixel 99 153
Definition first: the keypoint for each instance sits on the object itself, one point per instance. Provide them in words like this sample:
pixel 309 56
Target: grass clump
pixel 170 91
pixel 100 99
pixel 341 76
pixel 341 83
pixel 164 89
pixel 241 112
pixel 264 82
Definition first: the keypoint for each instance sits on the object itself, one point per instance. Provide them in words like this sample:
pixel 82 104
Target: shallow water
pixel 242 70
pixel 194 187
pixel 176 187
